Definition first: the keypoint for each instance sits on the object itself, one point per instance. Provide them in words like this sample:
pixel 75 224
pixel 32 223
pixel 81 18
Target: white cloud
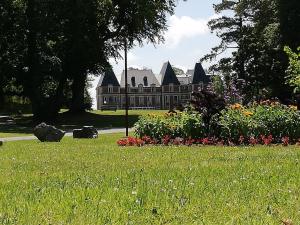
pixel 131 59
pixel 184 27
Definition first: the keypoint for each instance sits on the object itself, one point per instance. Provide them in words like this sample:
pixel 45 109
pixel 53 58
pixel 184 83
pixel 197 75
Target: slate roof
pixel 139 76
pixel 168 75
pixel 108 78
pixel 184 79
pixel 199 75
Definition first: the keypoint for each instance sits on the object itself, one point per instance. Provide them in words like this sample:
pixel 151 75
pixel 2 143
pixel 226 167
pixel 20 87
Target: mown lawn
pixel 96 182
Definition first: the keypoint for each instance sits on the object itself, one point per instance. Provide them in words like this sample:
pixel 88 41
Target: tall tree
pixel 93 38
pixel 289 12
pixel 11 45
pixel 253 32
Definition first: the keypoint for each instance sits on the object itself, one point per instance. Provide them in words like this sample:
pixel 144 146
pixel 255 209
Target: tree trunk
pixel 78 86
pixel 2 101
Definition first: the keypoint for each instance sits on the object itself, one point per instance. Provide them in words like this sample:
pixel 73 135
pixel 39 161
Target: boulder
pixel 47 133
pixel 88 132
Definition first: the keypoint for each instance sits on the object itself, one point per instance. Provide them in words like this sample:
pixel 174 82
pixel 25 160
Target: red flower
pixel 253 141
pixel 139 142
pixel 122 142
pixel 267 140
pixel 241 140
pixel 166 140
pixel 147 139
pixel 189 141
pixel 206 141
pixel 177 141
pixel 131 141
pixel 285 141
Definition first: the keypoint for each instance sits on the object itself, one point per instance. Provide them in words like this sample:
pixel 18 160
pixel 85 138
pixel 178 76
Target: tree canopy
pixel 256 33
pixel 49 47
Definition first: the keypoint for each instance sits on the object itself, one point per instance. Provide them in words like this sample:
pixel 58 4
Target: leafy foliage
pixel 252 33
pixel 49 47
pixel 293 72
pixel 268 118
pixel 183 125
pixel 207 103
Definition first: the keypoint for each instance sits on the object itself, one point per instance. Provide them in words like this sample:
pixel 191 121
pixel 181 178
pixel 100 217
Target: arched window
pixel 145 81
pixel 133 81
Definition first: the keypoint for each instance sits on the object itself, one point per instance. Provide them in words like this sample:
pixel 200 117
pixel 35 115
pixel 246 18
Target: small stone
pixel 88 132
pixel 47 133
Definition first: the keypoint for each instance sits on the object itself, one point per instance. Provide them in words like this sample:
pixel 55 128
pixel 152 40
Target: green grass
pixel 66 121
pixel 96 182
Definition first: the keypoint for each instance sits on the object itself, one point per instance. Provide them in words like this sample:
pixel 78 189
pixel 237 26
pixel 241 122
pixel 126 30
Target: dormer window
pixel 133 84
pixel 153 87
pixel 140 88
pixel 171 87
pixel 110 89
pixel 145 81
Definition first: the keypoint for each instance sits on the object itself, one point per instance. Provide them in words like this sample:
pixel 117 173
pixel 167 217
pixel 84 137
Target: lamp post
pixel 126 88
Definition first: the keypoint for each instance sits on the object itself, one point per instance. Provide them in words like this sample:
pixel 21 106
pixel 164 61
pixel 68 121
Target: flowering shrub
pixel 170 125
pixel 269 121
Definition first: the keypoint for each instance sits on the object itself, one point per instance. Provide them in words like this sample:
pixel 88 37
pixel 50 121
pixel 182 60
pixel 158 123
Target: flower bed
pixel 266 123
pixel 271 120
pixel 168 141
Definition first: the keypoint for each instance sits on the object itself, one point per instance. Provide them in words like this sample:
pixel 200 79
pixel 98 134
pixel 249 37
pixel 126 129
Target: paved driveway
pixel 69 134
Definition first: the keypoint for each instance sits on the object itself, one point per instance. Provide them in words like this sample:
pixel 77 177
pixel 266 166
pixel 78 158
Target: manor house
pixel 148 91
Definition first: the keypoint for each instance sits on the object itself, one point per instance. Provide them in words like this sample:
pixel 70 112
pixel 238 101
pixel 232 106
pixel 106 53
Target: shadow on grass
pixel 67 122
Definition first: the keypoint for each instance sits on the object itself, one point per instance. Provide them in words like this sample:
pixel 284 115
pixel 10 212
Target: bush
pixel 183 125
pixel 259 121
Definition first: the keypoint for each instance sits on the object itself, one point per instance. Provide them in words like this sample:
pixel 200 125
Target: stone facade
pixel 146 92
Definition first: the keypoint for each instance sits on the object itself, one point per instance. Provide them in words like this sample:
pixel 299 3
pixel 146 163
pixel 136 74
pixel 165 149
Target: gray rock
pixel 47 133
pixel 86 132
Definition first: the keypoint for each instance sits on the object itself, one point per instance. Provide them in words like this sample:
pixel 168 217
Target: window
pixel 175 99
pixel 141 101
pixel 145 81
pixel 132 101
pixel 140 88
pixel 110 89
pixel 158 99
pixel 171 87
pixel 201 85
pixel 153 87
pixel 133 84
pixel 104 100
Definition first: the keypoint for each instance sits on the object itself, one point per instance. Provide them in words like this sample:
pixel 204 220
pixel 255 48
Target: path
pixel 68 134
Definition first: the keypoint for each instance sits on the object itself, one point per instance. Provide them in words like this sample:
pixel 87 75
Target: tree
pixel 289 14
pixel 293 71
pixel 252 32
pixel 54 44
pixel 11 46
pixel 133 21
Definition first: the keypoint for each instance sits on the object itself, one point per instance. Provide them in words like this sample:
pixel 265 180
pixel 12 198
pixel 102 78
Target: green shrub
pixel 256 120
pixel 182 125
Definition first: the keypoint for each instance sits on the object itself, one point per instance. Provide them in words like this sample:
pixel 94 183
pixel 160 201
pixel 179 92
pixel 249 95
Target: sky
pixel 187 39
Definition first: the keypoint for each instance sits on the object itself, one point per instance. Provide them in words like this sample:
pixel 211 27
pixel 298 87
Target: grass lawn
pixel 106 119
pixel 96 182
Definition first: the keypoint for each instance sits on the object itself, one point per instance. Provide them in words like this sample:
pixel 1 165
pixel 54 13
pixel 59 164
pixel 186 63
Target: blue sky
pixel 186 41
